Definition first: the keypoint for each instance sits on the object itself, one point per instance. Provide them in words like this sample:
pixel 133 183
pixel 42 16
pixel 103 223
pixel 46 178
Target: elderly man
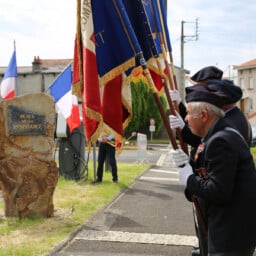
pixel 211 76
pixel 233 115
pixel 203 75
pixel 224 177
pixel 200 77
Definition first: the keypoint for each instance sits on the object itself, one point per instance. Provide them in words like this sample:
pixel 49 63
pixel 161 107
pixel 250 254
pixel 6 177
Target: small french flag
pixel 67 103
pixel 8 83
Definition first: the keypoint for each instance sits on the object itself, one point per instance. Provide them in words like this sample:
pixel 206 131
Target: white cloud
pixel 45 29
pixel 226 32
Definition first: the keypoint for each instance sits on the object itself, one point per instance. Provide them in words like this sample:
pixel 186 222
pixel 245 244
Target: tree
pixel 144 108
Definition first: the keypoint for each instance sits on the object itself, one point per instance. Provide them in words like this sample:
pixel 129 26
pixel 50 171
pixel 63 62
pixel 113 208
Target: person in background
pixel 233 115
pixel 107 148
pixel 201 76
pixel 222 178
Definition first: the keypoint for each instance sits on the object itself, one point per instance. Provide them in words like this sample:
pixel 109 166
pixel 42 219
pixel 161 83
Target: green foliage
pixel 144 108
pixel 253 151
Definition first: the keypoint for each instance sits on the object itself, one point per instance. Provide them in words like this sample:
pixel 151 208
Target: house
pixel 39 76
pixel 246 79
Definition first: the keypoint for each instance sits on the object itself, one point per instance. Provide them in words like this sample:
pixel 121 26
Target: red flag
pixel 112 104
pixel 85 75
pixel 117 107
pixel 103 52
pixel 158 71
pixel 126 100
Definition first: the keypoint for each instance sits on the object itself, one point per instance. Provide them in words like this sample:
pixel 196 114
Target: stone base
pixel 28 172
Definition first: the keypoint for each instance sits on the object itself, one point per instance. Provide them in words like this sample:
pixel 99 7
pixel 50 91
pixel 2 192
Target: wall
pixel 34 82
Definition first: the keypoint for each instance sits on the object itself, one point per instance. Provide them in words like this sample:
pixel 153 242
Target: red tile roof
pixel 248 64
pixel 45 66
pixel 55 62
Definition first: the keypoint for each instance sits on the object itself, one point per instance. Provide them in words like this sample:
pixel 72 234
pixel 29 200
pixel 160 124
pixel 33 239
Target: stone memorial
pixel 28 172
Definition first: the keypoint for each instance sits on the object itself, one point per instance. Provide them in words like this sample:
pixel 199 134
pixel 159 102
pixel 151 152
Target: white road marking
pixel 163 171
pixel 157 178
pixel 142 238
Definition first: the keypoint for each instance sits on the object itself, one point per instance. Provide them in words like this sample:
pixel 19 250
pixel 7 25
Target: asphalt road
pixel 150 218
pixel 150 156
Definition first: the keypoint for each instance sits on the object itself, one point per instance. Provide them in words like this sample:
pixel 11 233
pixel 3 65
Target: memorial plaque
pixel 24 122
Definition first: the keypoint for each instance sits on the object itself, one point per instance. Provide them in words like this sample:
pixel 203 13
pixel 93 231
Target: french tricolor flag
pixel 9 81
pixel 67 103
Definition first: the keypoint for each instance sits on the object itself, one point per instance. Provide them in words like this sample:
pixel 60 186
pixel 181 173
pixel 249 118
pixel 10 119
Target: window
pixel 241 83
pixel 250 87
pixel 247 105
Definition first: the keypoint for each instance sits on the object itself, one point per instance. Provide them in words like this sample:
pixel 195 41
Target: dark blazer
pixel 227 196
pixel 236 119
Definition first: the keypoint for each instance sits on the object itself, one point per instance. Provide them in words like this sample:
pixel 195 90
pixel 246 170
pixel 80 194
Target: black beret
pixel 207 73
pixel 201 93
pixel 231 92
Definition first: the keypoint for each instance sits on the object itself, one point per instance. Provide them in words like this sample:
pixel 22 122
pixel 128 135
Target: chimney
pixel 36 64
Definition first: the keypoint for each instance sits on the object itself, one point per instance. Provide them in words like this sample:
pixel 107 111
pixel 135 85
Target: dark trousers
pixel 106 150
pixel 247 252
pixel 203 243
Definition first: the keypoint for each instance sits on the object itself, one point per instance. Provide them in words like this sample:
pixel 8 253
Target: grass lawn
pixel 74 204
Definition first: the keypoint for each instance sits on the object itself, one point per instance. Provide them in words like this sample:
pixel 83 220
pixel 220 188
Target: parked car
pixel 253 144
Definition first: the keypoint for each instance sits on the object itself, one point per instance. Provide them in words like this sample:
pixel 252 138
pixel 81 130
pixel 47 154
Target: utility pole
pixel 182 72
pixel 183 39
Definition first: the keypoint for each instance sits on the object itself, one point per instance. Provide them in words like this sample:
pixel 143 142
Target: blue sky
pixel 46 29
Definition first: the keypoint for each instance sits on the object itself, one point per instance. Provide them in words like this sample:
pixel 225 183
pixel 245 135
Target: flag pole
pixel 164 44
pixel 172 87
pixel 132 39
pixel 157 99
pixel 164 41
pixel 16 83
pixel 156 56
pixel 171 107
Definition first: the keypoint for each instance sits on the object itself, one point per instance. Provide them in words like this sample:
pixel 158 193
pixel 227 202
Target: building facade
pixel 246 79
pixel 39 76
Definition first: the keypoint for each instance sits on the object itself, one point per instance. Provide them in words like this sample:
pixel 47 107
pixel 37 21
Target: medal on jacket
pixel 200 148
pixel 201 172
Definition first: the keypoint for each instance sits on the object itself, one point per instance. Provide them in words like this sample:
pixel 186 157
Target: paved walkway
pixel 151 217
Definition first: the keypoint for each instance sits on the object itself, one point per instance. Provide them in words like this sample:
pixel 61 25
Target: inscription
pixel 23 122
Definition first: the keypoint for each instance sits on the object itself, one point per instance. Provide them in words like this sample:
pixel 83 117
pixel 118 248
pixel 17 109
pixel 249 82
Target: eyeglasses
pixel 194 115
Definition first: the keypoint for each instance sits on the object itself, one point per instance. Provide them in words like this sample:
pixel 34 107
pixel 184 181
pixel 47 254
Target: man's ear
pixel 204 115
